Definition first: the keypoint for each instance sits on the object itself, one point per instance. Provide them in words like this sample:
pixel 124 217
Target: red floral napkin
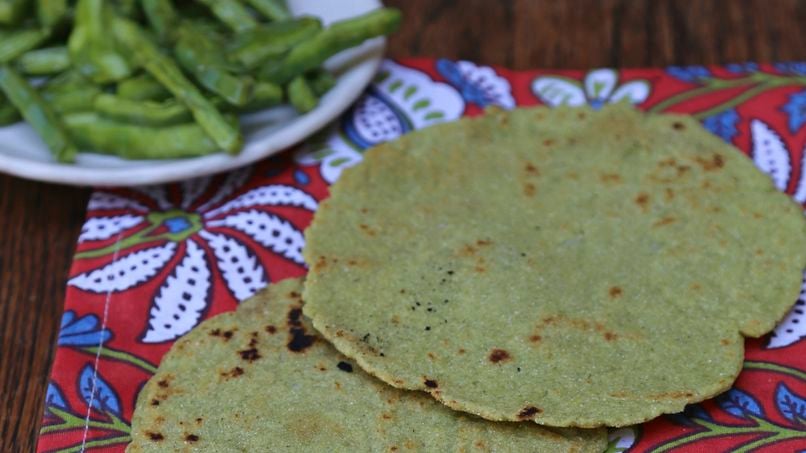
pixel 153 262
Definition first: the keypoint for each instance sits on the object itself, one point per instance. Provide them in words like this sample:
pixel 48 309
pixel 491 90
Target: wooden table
pixel 39 223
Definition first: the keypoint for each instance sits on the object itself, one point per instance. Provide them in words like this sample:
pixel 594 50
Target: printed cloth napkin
pixel 153 262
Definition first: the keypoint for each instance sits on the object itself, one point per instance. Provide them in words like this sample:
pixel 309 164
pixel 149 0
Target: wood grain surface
pixel 39 223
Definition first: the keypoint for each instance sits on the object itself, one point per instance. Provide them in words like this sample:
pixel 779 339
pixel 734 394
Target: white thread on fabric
pixel 98 352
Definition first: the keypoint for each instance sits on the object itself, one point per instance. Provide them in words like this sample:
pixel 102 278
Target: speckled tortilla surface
pixel 571 267
pixel 261 379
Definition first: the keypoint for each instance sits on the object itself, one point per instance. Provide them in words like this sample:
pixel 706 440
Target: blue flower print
pixel 723 124
pixel 479 85
pixel 795 108
pixel 739 403
pixel 54 397
pixel 82 332
pixel 691 74
pixel 742 68
pixel 792 67
pixel 790 404
pixel 97 393
pixel 597 88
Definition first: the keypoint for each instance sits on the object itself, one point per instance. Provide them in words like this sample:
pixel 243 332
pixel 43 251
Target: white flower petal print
pixel 622 438
pixel 158 194
pixel 335 155
pixel 599 86
pixel 792 328
pixel 636 91
pixel 105 200
pixel 125 272
pixel 556 91
pixel 422 100
pixel 182 298
pixel 770 153
pixel 192 189
pixel 800 191
pixel 405 99
pixel 97 228
pixel 238 265
pixel 232 182
pixel 599 83
pixel 269 230
pixel 401 100
pixel 335 164
pixel 495 87
pixel 275 195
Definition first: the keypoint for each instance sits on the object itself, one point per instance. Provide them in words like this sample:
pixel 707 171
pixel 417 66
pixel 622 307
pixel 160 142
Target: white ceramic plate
pixel 23 153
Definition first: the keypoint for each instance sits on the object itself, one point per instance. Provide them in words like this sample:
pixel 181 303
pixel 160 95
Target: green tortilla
pixel 572 267
pixel 259 379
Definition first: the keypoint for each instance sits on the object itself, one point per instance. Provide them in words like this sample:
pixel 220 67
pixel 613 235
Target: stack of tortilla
pixel 261 379
pixel 541 273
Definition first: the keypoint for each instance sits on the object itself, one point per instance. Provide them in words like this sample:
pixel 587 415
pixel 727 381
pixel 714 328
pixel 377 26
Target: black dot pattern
pixel 375 121
pixel 765 152
pixel 98 228
pixel 182 297
pixel 273 195
pixel 270 231
pixel 127 271
pixel 238 265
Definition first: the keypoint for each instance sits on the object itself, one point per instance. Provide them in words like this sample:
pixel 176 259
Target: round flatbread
pixel 260 379
pixel 570 266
